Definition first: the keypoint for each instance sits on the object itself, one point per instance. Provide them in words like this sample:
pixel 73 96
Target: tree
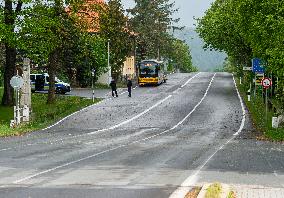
pixel 10 16
pixel 46 31
pixel 180 56
pixel 113 27
pixel 220 31
pixel 245 29
pixel 87 52
pixel 152 20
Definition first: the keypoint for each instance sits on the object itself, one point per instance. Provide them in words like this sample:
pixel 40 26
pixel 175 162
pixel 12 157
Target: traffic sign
pixel 247 68
pixel 266 83
pixel 17 82
pixel 258 78
pixel 257 65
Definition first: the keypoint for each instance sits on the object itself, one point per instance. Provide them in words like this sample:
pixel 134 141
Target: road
pixel 159 143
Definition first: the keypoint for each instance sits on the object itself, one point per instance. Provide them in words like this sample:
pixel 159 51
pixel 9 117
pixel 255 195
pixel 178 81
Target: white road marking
pixel 79 112
pixel 101 130
pixel 118 147
pixel 135 117
pixel 71 115
pixel 243 110
pixel 64 165
pixel 186 186
pixel 190 80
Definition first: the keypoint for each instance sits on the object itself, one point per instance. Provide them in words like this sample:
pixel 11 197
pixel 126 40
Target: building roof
pixel 88 15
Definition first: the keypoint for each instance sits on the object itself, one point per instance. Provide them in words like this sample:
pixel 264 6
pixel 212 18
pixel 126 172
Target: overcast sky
pixel 187 9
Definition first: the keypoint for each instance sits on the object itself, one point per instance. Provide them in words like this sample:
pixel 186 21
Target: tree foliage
pixel 152 20
pixel 113 28
pixel 180 56
pixel 245 29
pixel 10 17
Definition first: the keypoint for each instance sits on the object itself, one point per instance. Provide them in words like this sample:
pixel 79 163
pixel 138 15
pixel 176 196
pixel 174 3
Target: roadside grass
pixel 42 114
pixel 231 195
pixel 214 191
pixel 256 108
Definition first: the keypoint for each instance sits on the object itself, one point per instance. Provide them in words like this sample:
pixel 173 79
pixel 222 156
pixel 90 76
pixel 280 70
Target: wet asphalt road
pixel 144 146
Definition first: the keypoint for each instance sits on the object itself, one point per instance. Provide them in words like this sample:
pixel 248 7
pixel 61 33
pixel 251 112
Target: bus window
pixel 147 69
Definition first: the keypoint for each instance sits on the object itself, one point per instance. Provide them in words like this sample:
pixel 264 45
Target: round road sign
pixel 16 82
pixel 266 83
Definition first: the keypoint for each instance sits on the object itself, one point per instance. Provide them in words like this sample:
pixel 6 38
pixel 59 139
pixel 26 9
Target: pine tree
pixel 152 20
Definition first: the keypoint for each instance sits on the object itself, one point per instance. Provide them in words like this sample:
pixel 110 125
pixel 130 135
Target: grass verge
pixel 231 195
pixel 256 108
pixel 43 114
pixel 214 191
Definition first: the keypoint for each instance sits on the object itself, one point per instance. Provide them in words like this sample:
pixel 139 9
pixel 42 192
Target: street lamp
pixel 108 62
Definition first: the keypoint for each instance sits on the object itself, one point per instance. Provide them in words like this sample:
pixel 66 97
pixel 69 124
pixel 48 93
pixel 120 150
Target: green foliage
pixel 152 20
pixel 2 64
pixel 180 56
pixel 257 110
pixel 113 28
pixel 245 29
pixel 214 191
pixel 87 52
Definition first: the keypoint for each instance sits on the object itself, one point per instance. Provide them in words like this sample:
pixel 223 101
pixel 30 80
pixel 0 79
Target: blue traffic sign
pixel 257 65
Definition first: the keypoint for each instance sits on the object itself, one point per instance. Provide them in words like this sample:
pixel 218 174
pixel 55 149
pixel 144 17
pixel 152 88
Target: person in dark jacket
pixel 129 86
pixel 113 88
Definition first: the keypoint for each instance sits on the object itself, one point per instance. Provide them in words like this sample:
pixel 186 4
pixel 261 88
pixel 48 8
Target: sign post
pixel 16 82
pixel 266 83
pixel 93 90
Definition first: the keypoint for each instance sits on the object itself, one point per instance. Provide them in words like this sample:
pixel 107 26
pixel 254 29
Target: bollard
pixel 248 93
pixel 275 122
pixel 26 114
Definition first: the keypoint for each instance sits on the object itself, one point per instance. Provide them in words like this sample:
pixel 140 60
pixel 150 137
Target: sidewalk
pixel 257 192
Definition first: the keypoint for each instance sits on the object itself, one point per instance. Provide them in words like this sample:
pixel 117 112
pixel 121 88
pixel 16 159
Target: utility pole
pixel 108 61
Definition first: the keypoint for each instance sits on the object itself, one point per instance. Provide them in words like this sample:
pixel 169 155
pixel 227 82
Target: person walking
pixel 113 88
pixel 129 86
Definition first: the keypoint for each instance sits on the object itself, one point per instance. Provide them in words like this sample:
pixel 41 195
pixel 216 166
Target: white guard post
pixel 248 93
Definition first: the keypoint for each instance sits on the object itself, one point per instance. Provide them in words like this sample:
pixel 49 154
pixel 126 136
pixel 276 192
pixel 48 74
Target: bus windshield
pixel 148 69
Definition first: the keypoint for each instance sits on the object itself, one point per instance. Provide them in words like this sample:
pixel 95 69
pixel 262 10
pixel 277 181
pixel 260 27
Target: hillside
pixel 204 60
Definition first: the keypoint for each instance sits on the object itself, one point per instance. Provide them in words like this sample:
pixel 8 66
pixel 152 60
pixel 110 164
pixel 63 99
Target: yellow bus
pixel 151 72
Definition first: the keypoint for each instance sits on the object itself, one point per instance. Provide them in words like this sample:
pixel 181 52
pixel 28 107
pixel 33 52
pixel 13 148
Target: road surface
pixel 158 143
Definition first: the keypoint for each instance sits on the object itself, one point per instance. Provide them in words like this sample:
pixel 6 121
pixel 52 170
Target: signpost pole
pixel 266 105
pixel 17 106
pixel 93 90
pixel 16 82
pixel 254 94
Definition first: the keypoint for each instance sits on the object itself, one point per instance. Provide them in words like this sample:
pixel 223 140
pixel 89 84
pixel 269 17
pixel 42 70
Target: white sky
pixel 187 9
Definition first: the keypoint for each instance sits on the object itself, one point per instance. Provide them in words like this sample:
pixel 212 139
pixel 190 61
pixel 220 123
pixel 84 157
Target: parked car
pixel 40 82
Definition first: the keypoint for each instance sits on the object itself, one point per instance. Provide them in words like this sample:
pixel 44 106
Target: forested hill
pixel 203 60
